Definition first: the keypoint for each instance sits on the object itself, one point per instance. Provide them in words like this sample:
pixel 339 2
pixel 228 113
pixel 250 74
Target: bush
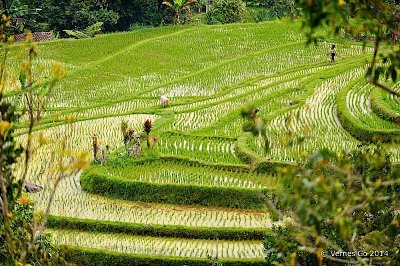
pixel 281 243
pixel 260 14
pixel 227 11
pixel 79 14
pixel 248 126
pixel 365 186
pixel 199 18
pixel 23 219
pixel 140 12
pixel 278 9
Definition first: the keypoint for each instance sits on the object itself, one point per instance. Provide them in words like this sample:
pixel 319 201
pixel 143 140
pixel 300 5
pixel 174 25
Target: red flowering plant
pixel 155 140
pixel 148 126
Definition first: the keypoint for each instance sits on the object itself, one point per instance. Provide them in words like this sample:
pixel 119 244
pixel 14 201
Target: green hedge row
pixel 357 128
pixel 121 188
pixel 117 161
pixel 175 231
pixel 381 108
pixel 192 162
pixel 97 257
pixel 256 162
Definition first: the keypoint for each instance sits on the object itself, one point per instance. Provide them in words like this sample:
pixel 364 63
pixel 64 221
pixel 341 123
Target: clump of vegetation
pixel 42 252
pixel 100 154
pixel 254 124
pixel 258 14
pixel 181 9
pixel 132 141
pixel 128 135
pixel 147 127
pixel 118 15
pixel 96 146
pixel 346 203
pixel 89 32
pixel 276 9
pixel 21 15
pixel 227 11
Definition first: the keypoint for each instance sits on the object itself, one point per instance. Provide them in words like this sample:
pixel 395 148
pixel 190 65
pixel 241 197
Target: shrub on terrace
pixel 227 11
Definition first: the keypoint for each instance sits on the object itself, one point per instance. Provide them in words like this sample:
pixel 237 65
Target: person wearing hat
pixel 164 101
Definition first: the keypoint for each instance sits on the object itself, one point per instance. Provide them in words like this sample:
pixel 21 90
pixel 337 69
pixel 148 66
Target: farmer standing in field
pixel 164 101
pixel 333 52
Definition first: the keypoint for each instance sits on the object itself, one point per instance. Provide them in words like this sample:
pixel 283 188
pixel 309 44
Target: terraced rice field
pixel 208 73
pixel 162 246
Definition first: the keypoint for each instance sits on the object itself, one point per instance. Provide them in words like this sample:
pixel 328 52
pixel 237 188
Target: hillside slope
pixel 208 72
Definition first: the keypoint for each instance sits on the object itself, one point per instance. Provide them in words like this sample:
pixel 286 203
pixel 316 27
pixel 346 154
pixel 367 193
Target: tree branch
pixel 384 87
pixel 371 78
pixel 301 227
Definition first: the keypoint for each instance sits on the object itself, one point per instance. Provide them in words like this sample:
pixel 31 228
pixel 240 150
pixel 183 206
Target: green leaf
pixel 43 89
pixel 374 239
pixel 76 34
pixel 266 147
pixel 22 80
pixel 92 30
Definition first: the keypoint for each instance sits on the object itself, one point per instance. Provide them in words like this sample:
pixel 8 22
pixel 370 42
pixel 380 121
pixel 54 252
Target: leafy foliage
pixel 181 8
pixel 20 15
pixel 280 8
pixel 226 11
pixel 128 135
pixel 43 251
pixel 89 32
pixel 137 12
pixel 341 203
pixel 147 127
pixel 278 245
pixel 78 14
